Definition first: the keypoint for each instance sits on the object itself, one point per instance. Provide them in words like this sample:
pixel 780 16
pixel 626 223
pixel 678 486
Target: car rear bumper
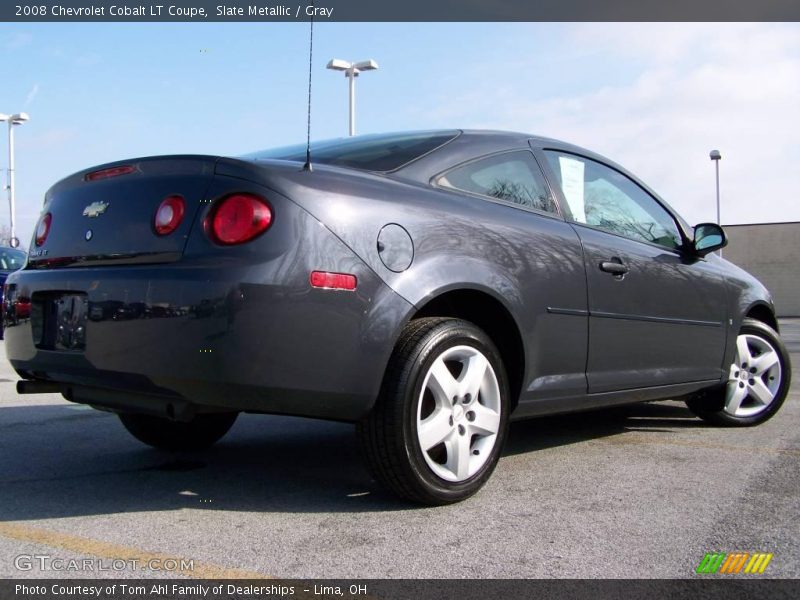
pixel 200 335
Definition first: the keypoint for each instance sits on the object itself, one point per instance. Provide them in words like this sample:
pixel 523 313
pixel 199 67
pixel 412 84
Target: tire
pixel 200 433
pixel 758 381
pixel 417 441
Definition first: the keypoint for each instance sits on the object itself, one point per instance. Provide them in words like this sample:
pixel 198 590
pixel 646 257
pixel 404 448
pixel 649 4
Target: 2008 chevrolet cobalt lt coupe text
pixel 427 286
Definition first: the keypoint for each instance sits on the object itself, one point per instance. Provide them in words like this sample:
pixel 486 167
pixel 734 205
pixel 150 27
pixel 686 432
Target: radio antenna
pixel 307 166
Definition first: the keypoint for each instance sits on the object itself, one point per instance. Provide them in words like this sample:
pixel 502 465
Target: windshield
pixel 11 259
pixel 374 152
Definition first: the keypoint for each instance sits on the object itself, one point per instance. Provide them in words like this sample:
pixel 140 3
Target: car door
pixel 530 238
pixel 656 315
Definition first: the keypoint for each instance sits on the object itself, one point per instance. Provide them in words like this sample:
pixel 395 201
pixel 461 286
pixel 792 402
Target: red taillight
pixel 110 172
pixel 169 215
pixel 333 281
pixel 239 218
pixel 43 229
pixel 22 308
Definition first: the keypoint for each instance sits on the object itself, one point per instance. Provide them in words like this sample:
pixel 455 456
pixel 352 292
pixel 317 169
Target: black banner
pixel 407 10
pixel 707 588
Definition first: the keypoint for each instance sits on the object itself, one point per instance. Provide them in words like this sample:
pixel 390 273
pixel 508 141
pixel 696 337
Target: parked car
pixel 427 286
pixel 11 259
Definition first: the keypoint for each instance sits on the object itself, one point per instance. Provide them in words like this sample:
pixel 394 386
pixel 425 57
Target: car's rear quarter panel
pixel 236 327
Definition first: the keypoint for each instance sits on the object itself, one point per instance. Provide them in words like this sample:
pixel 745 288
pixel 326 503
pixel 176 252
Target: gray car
pixel 427 286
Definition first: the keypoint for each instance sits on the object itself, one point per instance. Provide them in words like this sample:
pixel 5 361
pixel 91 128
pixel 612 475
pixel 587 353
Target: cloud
pixel 693 87
pixel 32 94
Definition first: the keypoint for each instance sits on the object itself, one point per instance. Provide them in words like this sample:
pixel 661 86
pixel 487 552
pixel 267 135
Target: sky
pixel 655 98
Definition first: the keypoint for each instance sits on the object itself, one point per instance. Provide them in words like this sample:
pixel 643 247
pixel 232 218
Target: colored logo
pixel 734 563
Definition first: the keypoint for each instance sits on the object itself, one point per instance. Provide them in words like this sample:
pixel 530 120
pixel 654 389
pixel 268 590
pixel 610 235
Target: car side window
pixel 599 196
pixel 510 176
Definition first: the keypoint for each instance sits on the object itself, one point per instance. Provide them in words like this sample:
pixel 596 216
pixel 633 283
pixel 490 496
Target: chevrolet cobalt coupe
pixel 427 286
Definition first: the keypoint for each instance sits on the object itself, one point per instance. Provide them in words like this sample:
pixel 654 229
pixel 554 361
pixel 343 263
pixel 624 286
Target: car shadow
pixel 63 461
pixel 560 430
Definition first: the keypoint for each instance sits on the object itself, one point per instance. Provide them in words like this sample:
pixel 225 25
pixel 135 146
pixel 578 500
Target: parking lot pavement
pixel 641 491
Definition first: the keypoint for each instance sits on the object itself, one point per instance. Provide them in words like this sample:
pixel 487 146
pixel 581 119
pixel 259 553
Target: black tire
pixel 709 404
pixel 198 434
pixel 389 436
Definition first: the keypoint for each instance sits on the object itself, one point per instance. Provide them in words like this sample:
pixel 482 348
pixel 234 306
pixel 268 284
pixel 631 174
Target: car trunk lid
pixel 105 215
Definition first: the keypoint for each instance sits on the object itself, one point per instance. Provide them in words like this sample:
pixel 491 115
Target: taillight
pixel 110 172
pixel 238 218
pixel 22 308
pixel 333 281
pixel 169 215
pixel 43 229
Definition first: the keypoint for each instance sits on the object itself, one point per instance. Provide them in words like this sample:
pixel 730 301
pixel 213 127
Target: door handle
pixel 614 266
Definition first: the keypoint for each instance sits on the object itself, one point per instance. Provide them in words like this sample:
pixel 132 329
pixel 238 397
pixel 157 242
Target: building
pixel 771 252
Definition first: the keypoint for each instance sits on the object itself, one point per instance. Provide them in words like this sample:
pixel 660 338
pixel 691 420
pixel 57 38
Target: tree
pixel 5 235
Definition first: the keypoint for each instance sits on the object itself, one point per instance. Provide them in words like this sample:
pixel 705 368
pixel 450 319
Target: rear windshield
pixel 374 152
pixel 11 259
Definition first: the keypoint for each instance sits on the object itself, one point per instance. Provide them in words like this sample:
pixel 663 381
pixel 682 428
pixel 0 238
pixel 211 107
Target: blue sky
pixel 654 97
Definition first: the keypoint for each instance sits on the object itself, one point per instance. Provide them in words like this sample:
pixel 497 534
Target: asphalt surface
pixel 642 491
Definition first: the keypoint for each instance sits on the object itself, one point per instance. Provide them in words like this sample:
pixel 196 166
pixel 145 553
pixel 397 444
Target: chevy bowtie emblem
pixel 95 209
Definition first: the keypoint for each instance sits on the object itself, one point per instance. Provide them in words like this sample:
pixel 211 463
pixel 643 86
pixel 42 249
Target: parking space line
pixel 106 550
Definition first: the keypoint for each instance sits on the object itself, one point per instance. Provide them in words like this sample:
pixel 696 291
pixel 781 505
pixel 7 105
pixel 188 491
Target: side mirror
pixel 708 237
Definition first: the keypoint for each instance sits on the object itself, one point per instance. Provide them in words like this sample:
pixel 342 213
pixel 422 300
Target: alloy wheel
pixel 458 413
pixel 754 378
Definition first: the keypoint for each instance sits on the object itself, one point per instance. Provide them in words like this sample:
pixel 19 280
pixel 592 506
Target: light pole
pixel 351 71
pixel 15 119
pixel 716 157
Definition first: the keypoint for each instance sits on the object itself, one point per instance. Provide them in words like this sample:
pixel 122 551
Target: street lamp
pixel 15 119
pixel 351 71
pixel 716 157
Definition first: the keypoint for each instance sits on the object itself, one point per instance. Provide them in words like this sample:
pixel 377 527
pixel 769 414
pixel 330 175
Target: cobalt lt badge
pixel 95 209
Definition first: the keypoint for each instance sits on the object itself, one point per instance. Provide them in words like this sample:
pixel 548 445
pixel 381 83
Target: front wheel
pixel 758 380
pixel 438 427
pixel 203 431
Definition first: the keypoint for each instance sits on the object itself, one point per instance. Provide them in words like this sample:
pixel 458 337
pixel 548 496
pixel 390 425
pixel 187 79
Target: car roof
pixel 522 139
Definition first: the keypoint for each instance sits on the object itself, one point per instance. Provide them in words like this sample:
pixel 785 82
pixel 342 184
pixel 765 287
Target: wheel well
pixel 494 319
pixel 762 313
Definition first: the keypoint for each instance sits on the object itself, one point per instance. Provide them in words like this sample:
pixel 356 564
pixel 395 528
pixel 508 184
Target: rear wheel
pixel 438 427
pixel 201 432
pixel 758 380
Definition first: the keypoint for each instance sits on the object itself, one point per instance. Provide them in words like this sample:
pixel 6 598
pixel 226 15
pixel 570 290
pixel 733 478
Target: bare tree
pixel 505 189
pixel 5 235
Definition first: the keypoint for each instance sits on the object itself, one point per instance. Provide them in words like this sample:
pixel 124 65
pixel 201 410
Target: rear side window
pixel 376 152
pixel 511 176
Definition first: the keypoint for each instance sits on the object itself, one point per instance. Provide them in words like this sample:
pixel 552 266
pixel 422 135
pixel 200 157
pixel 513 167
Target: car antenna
pixel 307 166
